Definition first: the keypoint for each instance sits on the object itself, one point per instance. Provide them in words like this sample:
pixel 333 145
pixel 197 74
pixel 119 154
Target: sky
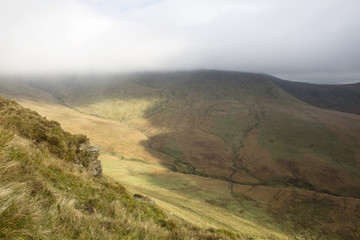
pixel 299 40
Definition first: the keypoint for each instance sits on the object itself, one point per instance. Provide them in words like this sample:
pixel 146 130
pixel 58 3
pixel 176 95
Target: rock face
pixel 88 158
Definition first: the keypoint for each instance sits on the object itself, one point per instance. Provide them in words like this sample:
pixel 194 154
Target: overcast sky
pixel 304 40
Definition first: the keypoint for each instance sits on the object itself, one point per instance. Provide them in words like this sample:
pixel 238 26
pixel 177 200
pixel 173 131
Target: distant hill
pixel 344 98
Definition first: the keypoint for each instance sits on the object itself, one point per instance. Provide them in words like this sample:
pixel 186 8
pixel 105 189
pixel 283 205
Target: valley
pixel 217 149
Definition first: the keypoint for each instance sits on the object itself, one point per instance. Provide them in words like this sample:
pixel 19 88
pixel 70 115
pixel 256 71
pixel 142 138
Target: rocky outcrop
pixel 142 198
pixel 94 166
pixel 88 158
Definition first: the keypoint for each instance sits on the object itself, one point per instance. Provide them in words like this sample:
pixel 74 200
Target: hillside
pixel 344 98
pixel 203 119
pixel 46 192
pixel 224 149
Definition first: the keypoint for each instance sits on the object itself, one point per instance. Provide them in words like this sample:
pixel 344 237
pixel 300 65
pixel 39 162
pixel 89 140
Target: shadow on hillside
pixel 185 101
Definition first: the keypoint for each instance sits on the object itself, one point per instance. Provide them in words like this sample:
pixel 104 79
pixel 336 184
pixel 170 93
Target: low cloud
pixel 315 41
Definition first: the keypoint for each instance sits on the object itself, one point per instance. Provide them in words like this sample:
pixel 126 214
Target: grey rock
pixel 95 168
pixel 88 157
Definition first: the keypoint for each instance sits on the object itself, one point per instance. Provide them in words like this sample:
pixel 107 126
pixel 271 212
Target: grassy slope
pixel 237 127
pixel 45 197
pixel 185 115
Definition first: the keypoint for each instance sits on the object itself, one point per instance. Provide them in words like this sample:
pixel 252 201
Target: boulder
pixel 88 158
